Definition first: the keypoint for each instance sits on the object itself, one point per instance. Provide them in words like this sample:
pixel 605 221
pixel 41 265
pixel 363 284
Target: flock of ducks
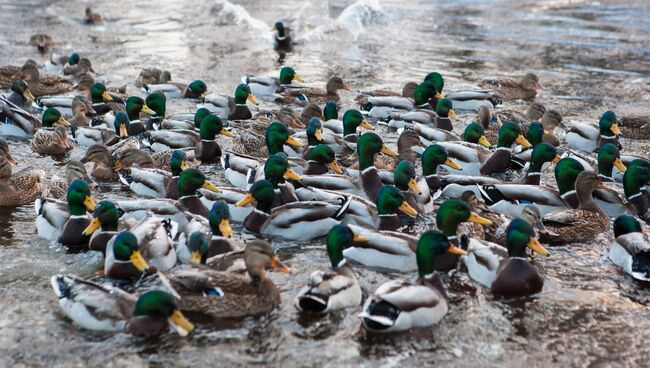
pixel 303 171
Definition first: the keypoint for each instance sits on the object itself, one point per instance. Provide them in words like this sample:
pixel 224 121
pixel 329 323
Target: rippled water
pixel 590 56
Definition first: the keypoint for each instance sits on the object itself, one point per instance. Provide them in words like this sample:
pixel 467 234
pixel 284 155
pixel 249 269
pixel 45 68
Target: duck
pixel 445 114
pixel 230 295
pixel 21 187
pixel 506 271
pixel 270 86
pixel 6 153
pixel 630 247
pixel 586 138
pixel 336 288
pixel 320 160
pixel 541 154
pixel 152 76
pixel 156 183
pixel 66 221
pixel 609 156
pixel 52 140
pixel 195 89
pixel 352 119
pixel 14 121
pixel 579 225
pixel 135 106
pixel 58 186
pixel 511 89
pixel 635 178
pixel 106 167
pixel 499 161
pixel 124 260
pixel 433 157
pixel 304 220
pixel 9 73
pixel 155 236
pixel 220 240
pixel 92 17
pixel 404 179
pixel 475 133
pixel 231 108
pixel 108 308
pixel 43 85
pixel 42 41
pixel 282 37
pixel 103 226
pixel 635 127
pixel 189 182
pixel 318 95
pixel 393 308
pixel 103 101
pixel 20 94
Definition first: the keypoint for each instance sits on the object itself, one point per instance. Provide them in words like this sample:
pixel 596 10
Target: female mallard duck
pixel 230 295
pixel 152 76
pixel 586 138
pixel 318 95
pixel 296 220
pixel 499 161
pixel 107 308
pixel 399 305
pixel 195 89
pixel 42 41
pixel 106 167
pixel 74 169
pixel 15 121
pixel 336 288
pixel 43 85
pixel 510 89
pixel 105 219
pixel 507 272
pixel 636 177
pixel 635 127
pixel 630 248
pixel 231 108
pixel 270 86
pixel 4 151
pixel 51 140
pixel 9 74
pixel 156 183
pixel 20 94
pixel 21 187
pixel 579 225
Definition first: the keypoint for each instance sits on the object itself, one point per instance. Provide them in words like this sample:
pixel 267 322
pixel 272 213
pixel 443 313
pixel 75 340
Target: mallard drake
pixel 21 187
pixel 475 133
pixel 58 187
pixel 219 243
pixel 586 138
pixel 15 121
pixel 499 161
pixel 66 221
pixel 636 177
pixel 336 288
pixel 105 219
pixel 195 89
pixel 52 140
pixel 124 260
pixel 282 37
pixel 320 159
pixel 506 272
pixel 432 157
pixel 42 85
pixel 135 106
pixel 352 119
pixel 107 308
pixel 404 179
pixel 609 157
pixel 20 94
pixel 152 76
pixel 577 225
pixel 400 305
pixel 318 95
pixel 296 220
pixel 103 101
pixel 389 200
pixel 510 89
pixel 630 248
pixel 231 108
pixel 541 154
pixel 156 183
pixel 230 295
pixel 270 86
pixel 189 182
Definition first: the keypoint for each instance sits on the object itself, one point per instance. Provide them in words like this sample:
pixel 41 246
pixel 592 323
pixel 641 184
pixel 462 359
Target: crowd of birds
pixel 299 172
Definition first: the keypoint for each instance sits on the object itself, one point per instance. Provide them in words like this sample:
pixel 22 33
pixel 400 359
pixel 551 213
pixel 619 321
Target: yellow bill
pixel 245 201
pixel 455 250
pixel 123 131
pixel 439 95
pixel 146 110
pixel 451 163
pixel 556 159
pixel 620 165
pixel 89 202
pixel 195 257
pixel 252 99
pixel 452 115
pixel 92 227
pixel 225 228
pixel 289 174
pixel 534 244
pixel 335 167
pixel 211 187
pixel 106 96
pixel 387 151
pixel 413 185
pixel 407 209
pixel 298 78
pixel 227 133
pixel 279 266
pixel 473 217
pixel 360 239
pixel 293 142
pixel 483 141
pixel 184 165
pixel 615 129
pixel 63 122
pixel 318 134
pixel 138 261
pixel 523 141
pixel 29 94
pixel 180 324
pixel 365 124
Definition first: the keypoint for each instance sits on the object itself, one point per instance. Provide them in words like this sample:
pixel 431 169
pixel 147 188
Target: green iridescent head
pixel 404 175
pixel 639 162
pixel 263 193
pixel 126 248
pixel 510 133
pixel 433 156
pixel 314 132
pixel 211 126
pixel 288 75
pixel 437 80
pixel 135 105
pixel 566 173
pixel 368 145
pixel 330 111
pixel 199 115
pixel 178 162
pixel 156 303
pixel 219 219
pixel 390 200
pixel 535 133
pixel 276 169
pixel 423 93
pixel 158 103
pixel 196 89
pixel 445 108
pixel 53 116
pixel 608 124
pixel 626 224
pixel 121 124
pixel 323 154
pixel 277 135
pixel 243 93
pixel 432 244
pixel 452 213
pixel 198 246
pixel 99 94
pixel 107 215
pixel 542 153
pixel 191 180
pixel 352 119
pixel 279 27
pixel 73 59
pixel 608 157
pixel 521 235
pixel 634 179
pixel 79 198
pixel 338 238
pixel 475 133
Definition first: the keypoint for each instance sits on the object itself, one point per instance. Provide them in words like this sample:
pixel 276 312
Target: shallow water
pixel 589 55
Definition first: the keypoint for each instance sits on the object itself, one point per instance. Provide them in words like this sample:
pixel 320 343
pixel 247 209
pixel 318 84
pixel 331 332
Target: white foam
pixel 241 16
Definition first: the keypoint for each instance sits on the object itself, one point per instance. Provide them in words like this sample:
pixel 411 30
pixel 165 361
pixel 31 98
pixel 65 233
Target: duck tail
pixel 345 205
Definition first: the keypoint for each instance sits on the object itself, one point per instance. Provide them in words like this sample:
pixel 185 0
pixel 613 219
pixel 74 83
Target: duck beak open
pixel 225 228
pixel 365 124
pixel 195 257
pixel 106 96
pixel 484 142
pixel 245 201
pixel 184 165
pixel 89 202
pixel 318 134
pixel 413 185
pixel 439 95
pixel 289 174
pixel 92 227
pixel 63 122
pixel 227 133
pixel 279 266
pixel 123 131
pixel 473 217
pixel 147 110
pixel 292 141
pixel 523 141
pixel 335 167
pixel 407 209
pixel 298 78
pixel 138 261
pixel 455 250
pixel 180 324
pixel 452 115
pixel 451 163
pixel 387 151
pixel 28 95
pixel 211 187
pixel 534 244
pixel 556 159
pixel 615 129
pixel 360 239
pixel 252 99
pixel 620 165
